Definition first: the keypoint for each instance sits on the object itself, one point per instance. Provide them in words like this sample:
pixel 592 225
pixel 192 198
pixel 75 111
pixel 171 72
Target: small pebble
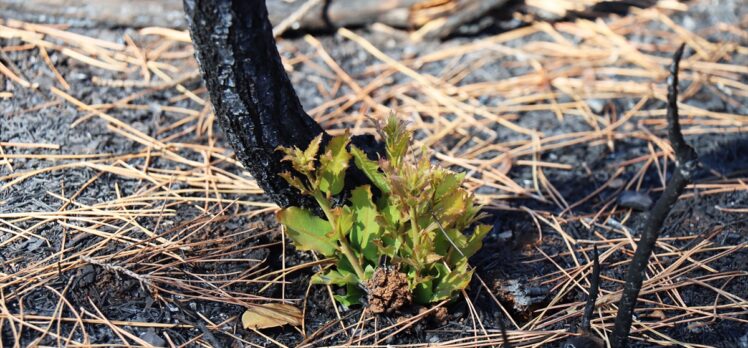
pixel 581 342
pixel 743 341
pixel 596 105
pixel 635 200
pixel 151 337
pixel 505 236
pixel 616 183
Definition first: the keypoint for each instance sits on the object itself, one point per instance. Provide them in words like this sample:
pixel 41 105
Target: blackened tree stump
pixel 252 96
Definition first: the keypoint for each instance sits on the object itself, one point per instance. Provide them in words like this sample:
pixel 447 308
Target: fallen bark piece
pixel 521 295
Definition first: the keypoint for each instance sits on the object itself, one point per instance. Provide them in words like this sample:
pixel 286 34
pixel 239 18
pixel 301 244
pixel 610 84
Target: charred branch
pixel 686 164
pixel 589 307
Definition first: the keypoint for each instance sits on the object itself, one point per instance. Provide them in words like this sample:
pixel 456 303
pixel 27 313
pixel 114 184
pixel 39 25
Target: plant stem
pixel 415 236
pixel 348 252
pixel 345 248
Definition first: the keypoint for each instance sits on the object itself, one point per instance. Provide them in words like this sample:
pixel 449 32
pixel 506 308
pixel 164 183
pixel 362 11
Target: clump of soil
pixel 388 291
pixel 438 316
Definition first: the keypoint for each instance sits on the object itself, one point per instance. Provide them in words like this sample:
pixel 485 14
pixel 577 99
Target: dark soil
pixel 38 117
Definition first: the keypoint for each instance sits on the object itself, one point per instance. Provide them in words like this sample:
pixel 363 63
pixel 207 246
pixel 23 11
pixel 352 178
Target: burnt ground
pixel 223 248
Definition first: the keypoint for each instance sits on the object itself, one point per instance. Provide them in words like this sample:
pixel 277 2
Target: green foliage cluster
pixel 415 224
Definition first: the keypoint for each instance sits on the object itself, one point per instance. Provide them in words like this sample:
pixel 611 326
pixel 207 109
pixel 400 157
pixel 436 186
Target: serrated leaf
pixel 397 139
pixel 308 231
pixel 448 183
pixel 269 315
pixel 436 265
pixel 365 227
pixel 299 161
pixel 371 169
pixel 294 181
pixel 333 164
pixel 390 214
pixel 311 151
pixel 452 204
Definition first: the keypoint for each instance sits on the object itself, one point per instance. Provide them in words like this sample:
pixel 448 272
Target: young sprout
pixel 414 224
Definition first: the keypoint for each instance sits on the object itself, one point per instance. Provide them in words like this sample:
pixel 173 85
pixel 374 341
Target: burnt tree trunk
pixel 252 97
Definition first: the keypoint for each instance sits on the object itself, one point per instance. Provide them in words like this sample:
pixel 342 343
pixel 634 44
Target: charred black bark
pixel 686 164
pixel 252 97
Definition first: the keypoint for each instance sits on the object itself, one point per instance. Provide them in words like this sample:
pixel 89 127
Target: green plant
pixel 415 223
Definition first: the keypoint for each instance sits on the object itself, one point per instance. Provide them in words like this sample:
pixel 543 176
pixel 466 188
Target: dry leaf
pixel 658 314
pixel 271 315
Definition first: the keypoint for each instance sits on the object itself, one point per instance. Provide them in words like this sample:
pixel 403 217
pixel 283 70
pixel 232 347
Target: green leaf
pixel 450 238
pixel 335 277
pixel 344 266
pixel 449 282
pixel 452 204
pixel 390 213
pixel 369 271
pixel 371 169
pixel 423 292
pixel 343 220
pixel 311 151
pixel 397 139
pixel 475 242
pixel 295 182
pixel 365 227
pixel 448 183
pixel 333 165
pixel 308 231
pixel 352 296
pixel 302 161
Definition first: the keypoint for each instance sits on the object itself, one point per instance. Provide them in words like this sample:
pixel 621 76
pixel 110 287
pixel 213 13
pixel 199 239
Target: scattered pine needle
pixel 188 186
